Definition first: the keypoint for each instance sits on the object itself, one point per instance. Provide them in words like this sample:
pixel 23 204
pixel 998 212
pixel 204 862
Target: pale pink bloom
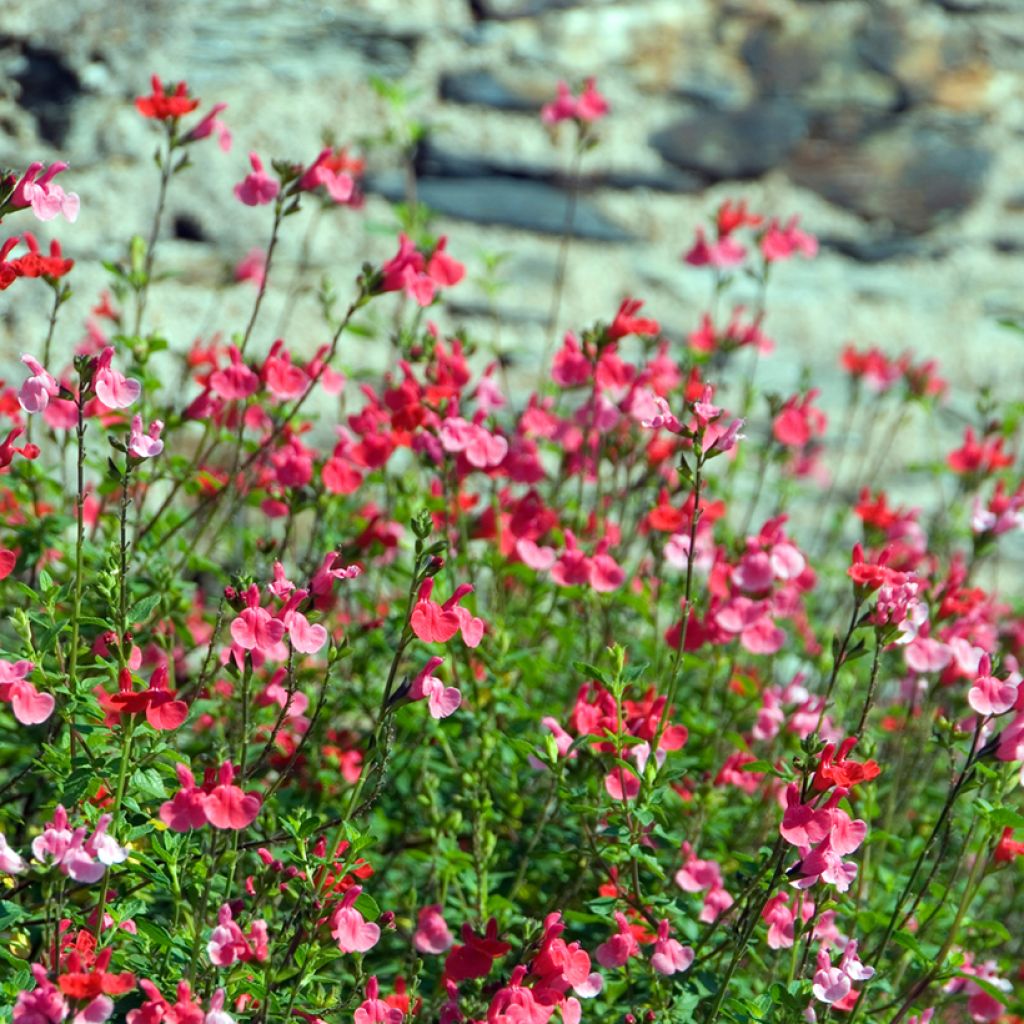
pixel 696 874
pixel 46 199
pixel 535 556
pixel 217 1013
pixel 29 706
pixel 228 943
pixel 442 700
pixel 45 1004
pixel 716 901
pixel 374 1010
pixel 482 449
pixel 257 188
pixel 851 966
pixel 305 638
pixel 11 862
pixel 991 696
pixel 670 956
pixel 826 864
pixel 145 445
pixel 353 933
pixel 432 934
pixel 112 388
pixel 35 393
pixel 781 918
pixel 84 860
pixel 830 983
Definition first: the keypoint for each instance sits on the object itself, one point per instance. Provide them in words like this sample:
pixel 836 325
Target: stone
pixel 483 88
pixel 512 202
pixel 731 144
pixel 48 88
pixel 911 175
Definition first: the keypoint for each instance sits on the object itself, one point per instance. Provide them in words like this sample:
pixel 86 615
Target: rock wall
pixel 893 127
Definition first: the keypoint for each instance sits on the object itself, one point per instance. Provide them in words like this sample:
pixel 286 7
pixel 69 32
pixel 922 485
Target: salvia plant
pixel 437 697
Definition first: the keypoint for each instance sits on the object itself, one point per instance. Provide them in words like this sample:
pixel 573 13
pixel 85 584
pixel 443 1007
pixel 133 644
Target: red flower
pixel 164 107
pixel 842 772
pixel 475 958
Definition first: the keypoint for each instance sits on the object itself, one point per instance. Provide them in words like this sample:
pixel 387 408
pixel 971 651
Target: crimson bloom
pixel 475 957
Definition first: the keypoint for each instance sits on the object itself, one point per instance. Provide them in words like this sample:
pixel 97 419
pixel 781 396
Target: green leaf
pixel 142 609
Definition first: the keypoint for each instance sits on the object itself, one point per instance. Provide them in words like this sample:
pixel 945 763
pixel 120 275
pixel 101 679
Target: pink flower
pixel 257 188
pixel 46 199
pixel 374 1010
pixel 305 638
pixel 442 700
pixel 84 860
pixel 722 255
pixel 209 125
pixel 112 388
pixel 696 874
pixel 228 943
pixel 145 445
pixel 481 448
pixel 991 696
pixel 338 184
pixel 11 862
pixel 405 272
pixel 352 932
pixel 438 623
pixel 45 1004
pixel 590 106
pixel 778 244
pixel 186 809
pixel 432 934
pixel 227 806
pixel 255 629
pixel 29 706
pixel 669 955
pixel 236 380
pixel 35 393
pixel 442 268
pixel 252 267
pixel 620 947
pixel 830 983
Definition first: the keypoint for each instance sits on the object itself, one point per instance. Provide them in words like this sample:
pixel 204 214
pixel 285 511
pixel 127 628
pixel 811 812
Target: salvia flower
pixel 145 445
pixel 84 860
pixel 353 933
pixel 112 388
pixel 35 393
pixel 30 707
pixel 46 199
pixel 257 188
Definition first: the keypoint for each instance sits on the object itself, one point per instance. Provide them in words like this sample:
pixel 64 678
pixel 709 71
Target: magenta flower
pixel 432 934
pixel 590 106
pixel 209 125
pixel 257 188
pixel 229 944
pixel 353 933
pixel 620 947
pixel 236 380
pixel 306 638
pixel 438 623
pixel 145 445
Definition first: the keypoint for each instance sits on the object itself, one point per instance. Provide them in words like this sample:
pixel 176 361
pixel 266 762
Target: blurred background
pixel 894 128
